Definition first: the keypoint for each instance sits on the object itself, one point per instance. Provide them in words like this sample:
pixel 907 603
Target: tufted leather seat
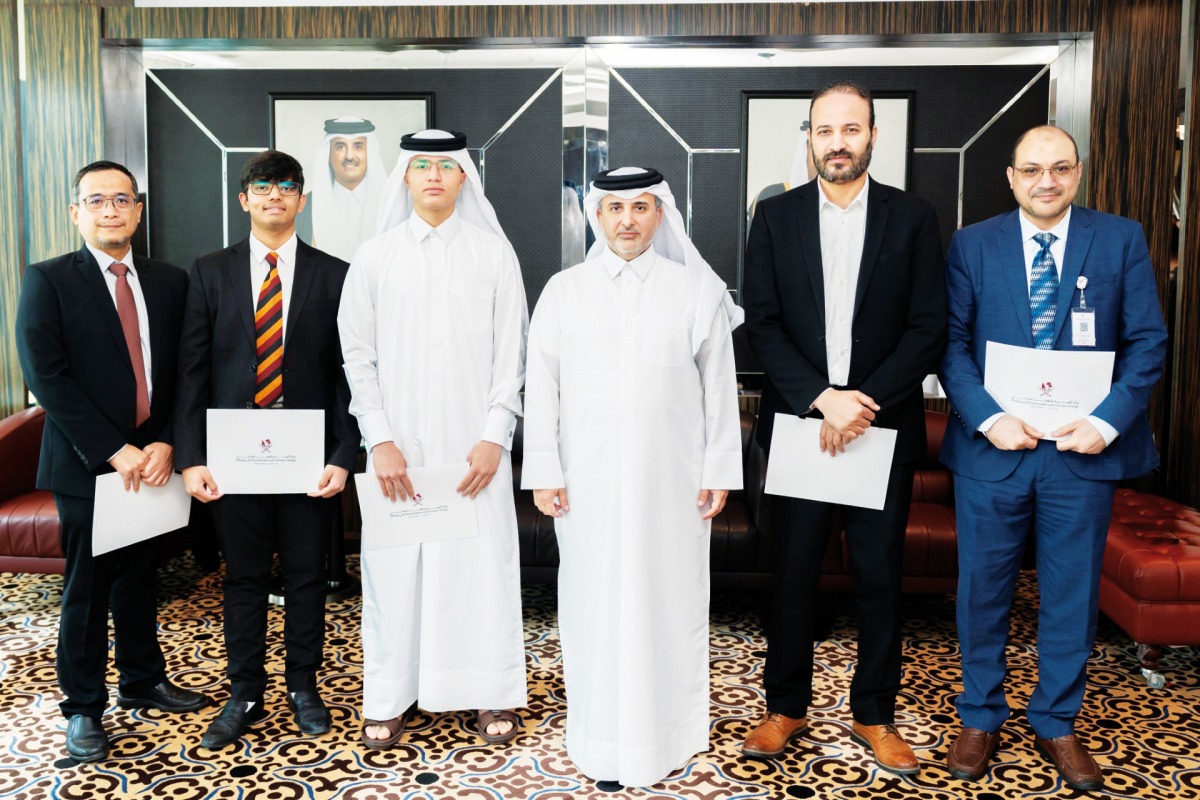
pixel 1150 582
pixel 29 529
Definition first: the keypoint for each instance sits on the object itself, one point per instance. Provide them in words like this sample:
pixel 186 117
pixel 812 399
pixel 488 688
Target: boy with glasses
pixel 260 331
pixel 433 325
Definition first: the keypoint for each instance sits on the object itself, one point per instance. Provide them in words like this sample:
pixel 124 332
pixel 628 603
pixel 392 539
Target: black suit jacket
pixel 899 324
pixel 217 357
pixel 77 365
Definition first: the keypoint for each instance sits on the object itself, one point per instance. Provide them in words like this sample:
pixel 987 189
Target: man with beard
pixel 348 177
pixel 632 412
pixel 846 310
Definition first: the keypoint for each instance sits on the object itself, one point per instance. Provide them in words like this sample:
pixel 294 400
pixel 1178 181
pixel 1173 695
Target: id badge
pixel 1083 327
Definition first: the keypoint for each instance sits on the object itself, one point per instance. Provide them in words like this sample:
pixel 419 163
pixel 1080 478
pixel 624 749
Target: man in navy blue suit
pixel 1015 279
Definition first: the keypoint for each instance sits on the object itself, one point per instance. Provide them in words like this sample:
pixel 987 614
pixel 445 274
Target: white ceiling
pixel 615 55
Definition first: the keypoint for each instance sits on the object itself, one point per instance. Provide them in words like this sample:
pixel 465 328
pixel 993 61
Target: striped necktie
pixel 1043 293
pixel 268 335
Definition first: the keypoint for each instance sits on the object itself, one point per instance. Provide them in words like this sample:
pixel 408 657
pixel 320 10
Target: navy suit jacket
pixel 218 360
pixel 899 323
pixel 77 365
pixel 989 301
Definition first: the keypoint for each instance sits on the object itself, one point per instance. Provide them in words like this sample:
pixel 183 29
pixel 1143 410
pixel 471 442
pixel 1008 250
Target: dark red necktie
pixel 127 311
pixel 268 335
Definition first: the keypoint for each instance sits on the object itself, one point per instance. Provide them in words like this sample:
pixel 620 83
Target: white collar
pixel 860 198
pixel 613 263
pixel 286 252
pixel 447 230
pixel 1028 229
pixel 105 260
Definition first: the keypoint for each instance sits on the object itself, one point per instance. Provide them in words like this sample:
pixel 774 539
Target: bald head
pixel 1043 130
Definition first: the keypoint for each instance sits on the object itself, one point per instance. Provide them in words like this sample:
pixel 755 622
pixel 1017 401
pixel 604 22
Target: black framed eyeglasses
pixel 97 202
pixel 286 188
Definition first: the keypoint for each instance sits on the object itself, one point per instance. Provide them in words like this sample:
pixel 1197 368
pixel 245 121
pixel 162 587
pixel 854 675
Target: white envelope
pixel 1047 388
pixel 437 513
pixel 122 518
pixel 796 467
pixel 266 450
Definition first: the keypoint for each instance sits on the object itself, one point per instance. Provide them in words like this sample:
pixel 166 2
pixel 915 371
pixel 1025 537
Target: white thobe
pixel 433 324
pixel 342 219
pixel 623 413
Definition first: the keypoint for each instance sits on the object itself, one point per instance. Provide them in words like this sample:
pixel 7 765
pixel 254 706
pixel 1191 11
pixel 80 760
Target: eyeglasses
pixel 424 164
pixel 1057 171
pixel 97 202
pixel 286 188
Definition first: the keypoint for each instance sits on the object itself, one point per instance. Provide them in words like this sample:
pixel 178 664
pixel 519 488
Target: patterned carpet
pixel 1147 740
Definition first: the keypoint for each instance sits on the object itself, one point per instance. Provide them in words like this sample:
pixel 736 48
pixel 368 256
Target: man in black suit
pixel 845 304
pixel 97 332
pixel 260 331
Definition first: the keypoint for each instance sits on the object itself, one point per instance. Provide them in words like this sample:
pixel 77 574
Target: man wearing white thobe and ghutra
pixel 632 412
pixel 432 323
pixel 346 185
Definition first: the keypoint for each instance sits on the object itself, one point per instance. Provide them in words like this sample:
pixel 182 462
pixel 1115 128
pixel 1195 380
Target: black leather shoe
pixel 231 723
pixel 86 739
pixel 166 696
pixel 312 717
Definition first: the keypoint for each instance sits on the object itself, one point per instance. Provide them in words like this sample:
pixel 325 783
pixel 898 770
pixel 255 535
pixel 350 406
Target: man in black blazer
pixel 845 302
pixel 97 332
pixel 294 362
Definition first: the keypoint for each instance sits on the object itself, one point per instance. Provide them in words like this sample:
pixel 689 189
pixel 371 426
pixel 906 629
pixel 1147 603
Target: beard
pixel 857 166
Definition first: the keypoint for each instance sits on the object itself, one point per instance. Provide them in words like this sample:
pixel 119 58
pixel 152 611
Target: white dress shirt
pixel 285 262
pixel 1058 251
pixel 842 234
pixel 139 302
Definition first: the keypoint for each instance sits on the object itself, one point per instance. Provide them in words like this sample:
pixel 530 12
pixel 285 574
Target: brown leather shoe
pixel 968 757
pixel 1072 760
pixel 891 752
pixel 771 736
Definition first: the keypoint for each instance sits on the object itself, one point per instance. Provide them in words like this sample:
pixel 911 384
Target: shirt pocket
pixel 471 311
pixel 664 341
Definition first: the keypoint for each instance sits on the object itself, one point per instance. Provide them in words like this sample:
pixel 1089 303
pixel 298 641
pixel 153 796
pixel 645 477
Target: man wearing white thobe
pixel 348 176
pixel 632 411
pixel 432 323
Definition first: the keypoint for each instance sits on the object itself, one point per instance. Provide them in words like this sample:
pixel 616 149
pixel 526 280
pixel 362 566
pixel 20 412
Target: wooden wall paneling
pixel 12 386
pixel 1183 457
pixel 1134 89
pixel 526 24
pixel 62 118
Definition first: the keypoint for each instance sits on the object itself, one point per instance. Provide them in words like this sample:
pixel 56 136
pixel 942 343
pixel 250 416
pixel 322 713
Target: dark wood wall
pixel 1183 455
pixel 1133 101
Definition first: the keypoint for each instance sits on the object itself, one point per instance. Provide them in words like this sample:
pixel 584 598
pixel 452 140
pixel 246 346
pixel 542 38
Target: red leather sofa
pixel 29 530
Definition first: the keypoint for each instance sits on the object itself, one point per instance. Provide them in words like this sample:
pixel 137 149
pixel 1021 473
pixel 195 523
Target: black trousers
pixel 251 528
pixel 876 543
pixel 123 581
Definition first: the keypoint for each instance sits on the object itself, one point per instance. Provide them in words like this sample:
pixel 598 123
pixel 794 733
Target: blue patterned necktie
pixel 1043 293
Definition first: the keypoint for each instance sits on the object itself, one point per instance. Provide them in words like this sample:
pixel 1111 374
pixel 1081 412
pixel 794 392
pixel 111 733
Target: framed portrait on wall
pixel 348 145
pixel 775 152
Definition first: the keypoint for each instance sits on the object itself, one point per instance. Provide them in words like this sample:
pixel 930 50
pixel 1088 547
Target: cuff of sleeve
pixel 500 427
pixel 987 424
pixel 375 429
pixel 1107 431
pixel 722 470
pixel 541 471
